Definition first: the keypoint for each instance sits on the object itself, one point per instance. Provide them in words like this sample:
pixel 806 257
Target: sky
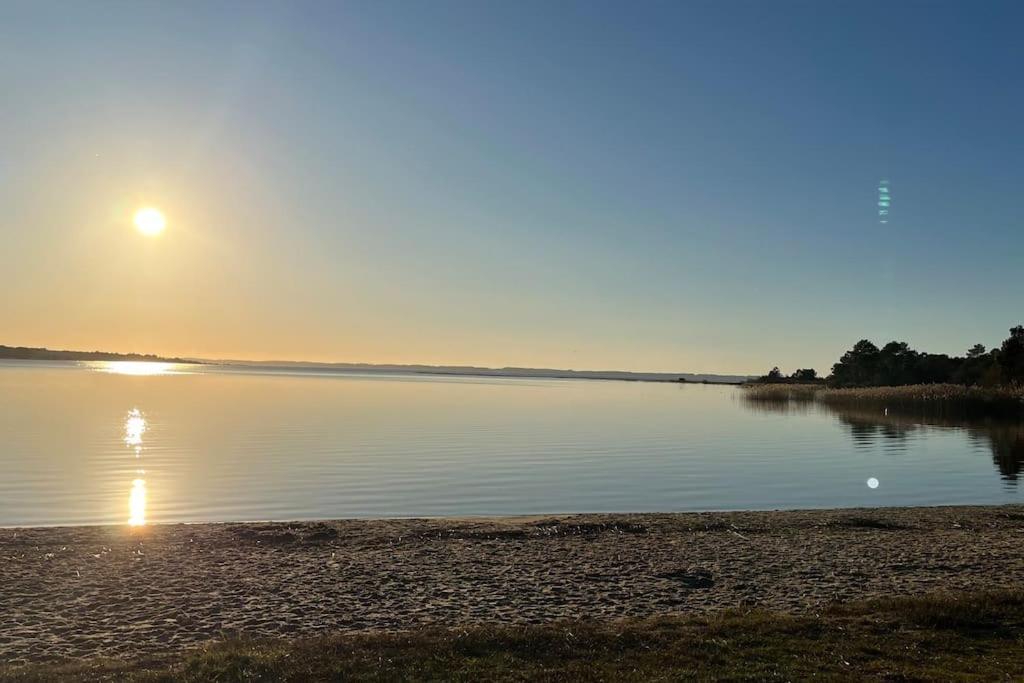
pixel 649 186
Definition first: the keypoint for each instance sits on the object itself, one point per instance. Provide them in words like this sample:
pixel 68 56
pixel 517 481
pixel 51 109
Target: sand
pixel 114 591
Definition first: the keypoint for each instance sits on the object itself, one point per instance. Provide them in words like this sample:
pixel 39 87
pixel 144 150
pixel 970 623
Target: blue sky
pixel 646 186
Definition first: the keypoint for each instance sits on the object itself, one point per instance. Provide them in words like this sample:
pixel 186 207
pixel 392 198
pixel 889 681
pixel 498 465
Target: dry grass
pixel 954 400
pixel 934 638
pixel 932 399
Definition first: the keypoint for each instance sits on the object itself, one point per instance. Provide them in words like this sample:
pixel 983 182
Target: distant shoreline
pixel 517 373
pixel 498 373
pixel 39 353
pixel 31 353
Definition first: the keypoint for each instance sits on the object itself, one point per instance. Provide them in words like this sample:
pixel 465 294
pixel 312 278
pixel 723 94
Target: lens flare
pixel 884 201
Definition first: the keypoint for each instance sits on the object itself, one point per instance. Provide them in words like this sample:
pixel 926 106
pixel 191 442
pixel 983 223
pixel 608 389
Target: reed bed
pixel 1004 401
pixel 953 400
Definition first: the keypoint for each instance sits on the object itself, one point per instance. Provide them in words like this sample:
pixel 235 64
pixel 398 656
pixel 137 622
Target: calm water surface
pixel 120 443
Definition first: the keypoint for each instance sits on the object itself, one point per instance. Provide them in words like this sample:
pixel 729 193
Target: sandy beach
pixel 117 591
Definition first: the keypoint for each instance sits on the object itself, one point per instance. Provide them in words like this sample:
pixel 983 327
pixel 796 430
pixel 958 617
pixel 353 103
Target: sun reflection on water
pixel 137 503
pixel 137 368
pixel 134 428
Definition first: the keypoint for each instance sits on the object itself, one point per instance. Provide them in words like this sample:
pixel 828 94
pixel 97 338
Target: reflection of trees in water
pixel 1007 443
pixel 867 431
pixel 1004 438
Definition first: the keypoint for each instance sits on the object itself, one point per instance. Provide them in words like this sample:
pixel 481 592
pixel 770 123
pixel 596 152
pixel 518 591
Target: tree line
pixel 896 364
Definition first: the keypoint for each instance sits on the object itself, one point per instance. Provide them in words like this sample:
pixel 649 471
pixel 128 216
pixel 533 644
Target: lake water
pixel 107 443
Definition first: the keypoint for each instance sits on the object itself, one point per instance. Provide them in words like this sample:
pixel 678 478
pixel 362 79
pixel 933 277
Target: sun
pixel 150 221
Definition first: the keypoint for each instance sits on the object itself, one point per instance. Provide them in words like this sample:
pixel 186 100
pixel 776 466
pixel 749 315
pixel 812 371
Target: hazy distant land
pixel 28 353
pixel 32 353
pixel 502 372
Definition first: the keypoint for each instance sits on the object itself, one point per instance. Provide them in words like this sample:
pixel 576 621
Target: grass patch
pixel 940 637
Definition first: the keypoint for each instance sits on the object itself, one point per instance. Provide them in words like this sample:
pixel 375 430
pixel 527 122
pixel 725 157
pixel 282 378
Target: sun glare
pixel 134 428
pixel 137 503
pixel 150 221
pixel 136 367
